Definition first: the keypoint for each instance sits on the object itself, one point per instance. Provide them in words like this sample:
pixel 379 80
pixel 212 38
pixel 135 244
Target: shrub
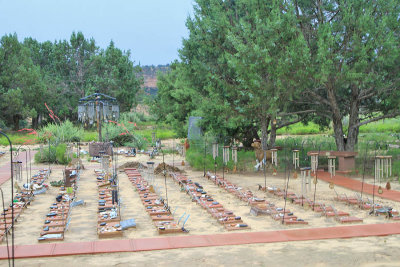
pixel 64 132
pixel 56 154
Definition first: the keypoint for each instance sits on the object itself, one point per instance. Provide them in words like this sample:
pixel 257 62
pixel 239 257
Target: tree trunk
pixel 35 122
pixel 264 133
pixel 352 135
pixel 336 120
pixel 16 122
pixel 272 135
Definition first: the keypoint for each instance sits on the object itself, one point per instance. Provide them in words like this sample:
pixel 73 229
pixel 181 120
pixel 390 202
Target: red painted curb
pixel 175 242
pixel 357 185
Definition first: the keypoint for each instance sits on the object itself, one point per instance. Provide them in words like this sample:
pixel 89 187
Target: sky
pixel 152 29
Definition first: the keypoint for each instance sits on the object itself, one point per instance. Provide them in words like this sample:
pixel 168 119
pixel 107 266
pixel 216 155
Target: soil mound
pixel 168 168
pixel 132 164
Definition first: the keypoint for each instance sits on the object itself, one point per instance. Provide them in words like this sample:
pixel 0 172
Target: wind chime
pixel 150 172
pixel 332 165
pixel 388 170
pixel 234 157
pixel 305 174
pixel 17 170
pixel 274 159
pixel 105 162
pixel 314 162
pixel 296 161
pixel 98 108
pixel 225 158
pixel 383 169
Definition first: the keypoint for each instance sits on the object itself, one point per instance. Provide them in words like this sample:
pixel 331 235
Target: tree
pixel 241 63
pixel 268 59
pixel 20 81
pixel 115 74
pixel 354 62
pixel 175 99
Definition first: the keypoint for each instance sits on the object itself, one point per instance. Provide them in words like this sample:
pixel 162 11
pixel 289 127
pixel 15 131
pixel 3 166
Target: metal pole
pixel 173 153
pixel 30 163
pixel 265 170
pixel 373 189
pixel 316 178
pixel 12 198
pixel 26 166
pixel 363 177
pixel 49 154
pixel 100 121
pixel 165 178
pixel 287 185
pixel 204 159
pixel 5 227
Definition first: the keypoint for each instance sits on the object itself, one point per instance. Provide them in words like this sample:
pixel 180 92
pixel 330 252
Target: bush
pixel 138 141
pixel 56 154
pixel 64 132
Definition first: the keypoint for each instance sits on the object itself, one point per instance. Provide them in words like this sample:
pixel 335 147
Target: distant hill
pixel 150 77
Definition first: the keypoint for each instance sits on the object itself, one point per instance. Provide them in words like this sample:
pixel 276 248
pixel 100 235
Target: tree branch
pixel 391 115
pixel 295 113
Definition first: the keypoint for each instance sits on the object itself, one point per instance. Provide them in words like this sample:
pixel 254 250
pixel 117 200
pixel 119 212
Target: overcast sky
pixel 151 29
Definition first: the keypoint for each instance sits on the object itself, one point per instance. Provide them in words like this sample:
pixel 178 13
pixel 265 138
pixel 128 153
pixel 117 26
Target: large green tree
pixel 241 63
pixel 114 74
pixel 21 84
pixel 354 62
pixel 60 73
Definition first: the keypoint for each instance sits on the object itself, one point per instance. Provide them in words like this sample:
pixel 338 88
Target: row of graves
pixel 109 223
pixel 154 204
pixel 198 194
pixel 309 176
pixel 58 218
pixel 21 200
pixel 258 206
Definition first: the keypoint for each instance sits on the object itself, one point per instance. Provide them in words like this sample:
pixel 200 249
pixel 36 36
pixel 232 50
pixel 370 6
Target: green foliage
pixel 247 63
pixel 196 158
pixel 386 126
pixel 301 128
pixel 161 133
pixel 138 141
pixel 354 62
pixel 21 83
pixel 63 132
pixel 89 136
pixel 18 139
pixel 56 154
pixel 59 73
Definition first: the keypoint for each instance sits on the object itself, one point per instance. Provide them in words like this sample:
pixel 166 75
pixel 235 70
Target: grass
pixel 89 136
pixel 301 129
pixel 246 159
pixel 384 126
pixel 161 133
pixel 18 139
pixel 196 158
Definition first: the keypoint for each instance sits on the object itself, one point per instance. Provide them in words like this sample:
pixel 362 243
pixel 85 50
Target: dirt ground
pixel 370 251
